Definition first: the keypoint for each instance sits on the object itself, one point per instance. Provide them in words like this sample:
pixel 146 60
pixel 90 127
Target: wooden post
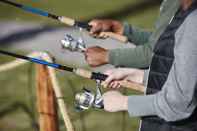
pixel 47 106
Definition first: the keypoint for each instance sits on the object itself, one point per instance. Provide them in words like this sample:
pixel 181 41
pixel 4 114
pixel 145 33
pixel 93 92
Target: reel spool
pixel 72 44
pixel 87 99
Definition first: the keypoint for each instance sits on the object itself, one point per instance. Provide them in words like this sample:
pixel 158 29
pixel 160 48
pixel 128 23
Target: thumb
pixel 107 82
pixel 93 22
pixel 108 72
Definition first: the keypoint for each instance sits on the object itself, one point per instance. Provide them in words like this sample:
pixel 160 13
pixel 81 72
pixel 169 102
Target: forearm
pixel 161 105
pixel 139 57
pixel 136 35
pixel 140 106
pixel 176 99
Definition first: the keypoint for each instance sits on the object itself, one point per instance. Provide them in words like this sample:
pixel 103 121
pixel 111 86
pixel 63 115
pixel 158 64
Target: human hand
pixel 99 26
pixel 115 75
pixel 118 74
pixel 96 56
pixel 114 101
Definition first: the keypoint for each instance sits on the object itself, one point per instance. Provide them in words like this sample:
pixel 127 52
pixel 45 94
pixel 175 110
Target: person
pixel 139 57
pixel 170 100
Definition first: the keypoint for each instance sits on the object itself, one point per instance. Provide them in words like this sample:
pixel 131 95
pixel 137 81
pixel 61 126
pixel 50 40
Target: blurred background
pixel 24 32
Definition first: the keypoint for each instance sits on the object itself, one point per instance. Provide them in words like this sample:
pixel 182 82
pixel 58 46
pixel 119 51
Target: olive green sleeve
pixel 138 57
pixel 136 35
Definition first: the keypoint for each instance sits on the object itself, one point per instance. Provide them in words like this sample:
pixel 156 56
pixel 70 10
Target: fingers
pixel 110 81
pixel 99 26
pixel 103 35
pixel 96 27
pixel 115 85
pixel 114 101
pixel 89 53
pixel 96 56
pixel 93 22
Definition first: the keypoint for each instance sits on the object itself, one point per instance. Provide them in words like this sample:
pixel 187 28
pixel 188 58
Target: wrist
pixel 106 57
pixel 127 71
pixel 132 71
pixel 118 27
pixel 125 103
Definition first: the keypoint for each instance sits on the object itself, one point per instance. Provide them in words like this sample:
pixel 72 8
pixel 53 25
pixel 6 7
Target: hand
pixel 114 101
pixel 96 56
pixel 99 26
pixel 115 75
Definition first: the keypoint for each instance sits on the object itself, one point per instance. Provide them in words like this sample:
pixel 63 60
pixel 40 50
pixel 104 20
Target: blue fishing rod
pixel 63 19
pixel 78 71
pixel 66 20
pixel 99 77
pixel 86 99
pixel 91 99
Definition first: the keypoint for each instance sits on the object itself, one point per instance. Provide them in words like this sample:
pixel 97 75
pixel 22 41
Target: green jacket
pixel 140 57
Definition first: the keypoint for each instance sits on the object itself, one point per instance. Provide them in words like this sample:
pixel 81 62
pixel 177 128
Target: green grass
pixel 18 85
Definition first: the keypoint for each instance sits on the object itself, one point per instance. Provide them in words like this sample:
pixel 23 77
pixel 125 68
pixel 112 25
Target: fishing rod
pixel 86 99
pixel 81 72
pixel 78 71
pixel 62 19
pixel 66 20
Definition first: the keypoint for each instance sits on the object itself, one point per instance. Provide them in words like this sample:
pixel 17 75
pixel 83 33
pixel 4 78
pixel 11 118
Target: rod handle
pixel 124 83
pixel 132 85
pixel 66 20
pixel 72 22
pixel 90 75
pixel 83 73
pixel 115 36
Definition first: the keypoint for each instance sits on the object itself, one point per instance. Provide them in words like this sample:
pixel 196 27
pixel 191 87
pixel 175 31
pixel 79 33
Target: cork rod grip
pixel 115 36
pixel 83 73
pixel 132 85
pixel 67 21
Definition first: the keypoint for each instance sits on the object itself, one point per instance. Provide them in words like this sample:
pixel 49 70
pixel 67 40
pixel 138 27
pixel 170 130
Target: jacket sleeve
pixel 138 57
pixel 136 35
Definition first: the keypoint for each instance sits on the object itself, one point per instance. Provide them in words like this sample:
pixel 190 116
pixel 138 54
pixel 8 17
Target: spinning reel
pixel 87 99
pixel 73 44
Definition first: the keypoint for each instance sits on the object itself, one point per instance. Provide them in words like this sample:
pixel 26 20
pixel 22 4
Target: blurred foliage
pixel 18 85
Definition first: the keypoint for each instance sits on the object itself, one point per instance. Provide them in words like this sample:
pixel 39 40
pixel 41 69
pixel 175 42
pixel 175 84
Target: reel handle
pixel 102 77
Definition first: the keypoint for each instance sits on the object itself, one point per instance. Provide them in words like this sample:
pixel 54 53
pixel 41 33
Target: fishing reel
pixel 72 44
pixel 87 99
